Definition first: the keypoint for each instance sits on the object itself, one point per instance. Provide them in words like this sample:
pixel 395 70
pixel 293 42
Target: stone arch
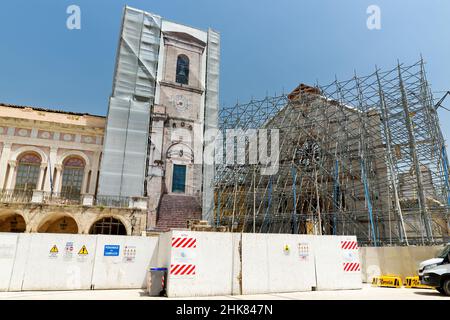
pixel 17 153
pixel 58 222
pixel 125 224
pixel 188 154
pixel 12 221
pixel 73 153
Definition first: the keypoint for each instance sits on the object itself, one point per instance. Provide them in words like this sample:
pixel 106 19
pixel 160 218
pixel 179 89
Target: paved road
pixel 367 293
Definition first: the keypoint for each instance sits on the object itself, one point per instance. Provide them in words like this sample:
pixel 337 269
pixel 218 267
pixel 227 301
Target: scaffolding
pixel 362 157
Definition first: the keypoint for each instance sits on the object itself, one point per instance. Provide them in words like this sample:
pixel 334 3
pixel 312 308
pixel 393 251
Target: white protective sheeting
pixel 127 128
pixel 337 263
pixel 211 120
pixel 8 245
pixel 277 263
pixel 122 262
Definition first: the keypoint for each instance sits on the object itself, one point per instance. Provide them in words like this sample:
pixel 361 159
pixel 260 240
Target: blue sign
pixel 111 250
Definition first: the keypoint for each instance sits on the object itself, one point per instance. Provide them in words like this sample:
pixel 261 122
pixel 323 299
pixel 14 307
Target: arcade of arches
pixel 70 219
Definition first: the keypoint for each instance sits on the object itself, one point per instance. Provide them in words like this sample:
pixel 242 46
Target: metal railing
pixel 17 196
pixel 112 201
pixel 63 198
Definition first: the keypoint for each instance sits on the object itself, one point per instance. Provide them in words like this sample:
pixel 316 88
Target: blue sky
pixel 267 46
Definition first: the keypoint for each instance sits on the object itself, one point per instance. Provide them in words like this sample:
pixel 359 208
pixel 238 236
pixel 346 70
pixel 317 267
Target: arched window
pixel 182 69
pixel 28 172
pixel 110 226
pixel 72 178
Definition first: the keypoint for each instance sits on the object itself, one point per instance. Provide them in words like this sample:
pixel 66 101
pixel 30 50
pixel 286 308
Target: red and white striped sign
pixel 182 269
pixel 349 245
pixel 183 242
pixel 352 266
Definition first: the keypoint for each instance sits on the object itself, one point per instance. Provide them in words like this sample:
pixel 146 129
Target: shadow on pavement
pixel 430 293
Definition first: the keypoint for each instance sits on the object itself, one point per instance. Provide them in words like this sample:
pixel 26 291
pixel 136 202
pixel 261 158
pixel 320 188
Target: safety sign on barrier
pixel 182 269
pixel 111 250
pixel 82 254
pixel 184 242
pixel 350 256
pixel 303 251
pixel 83 251
pixel 129 254
pixel 183 256
pixel 352 266
pixel 68 251
pixel 53 252
pixel 349 245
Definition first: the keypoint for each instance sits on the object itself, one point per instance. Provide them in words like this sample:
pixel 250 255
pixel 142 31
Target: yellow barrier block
pixel 387 281
pixel 414 282
pixel 376 281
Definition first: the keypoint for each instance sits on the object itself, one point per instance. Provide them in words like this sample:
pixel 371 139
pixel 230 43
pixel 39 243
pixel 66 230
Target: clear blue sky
pixel 267 46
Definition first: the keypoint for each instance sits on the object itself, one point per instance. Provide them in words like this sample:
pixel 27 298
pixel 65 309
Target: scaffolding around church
pixel 362 157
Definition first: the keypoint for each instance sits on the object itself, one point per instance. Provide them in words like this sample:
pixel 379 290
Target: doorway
pixel 179 178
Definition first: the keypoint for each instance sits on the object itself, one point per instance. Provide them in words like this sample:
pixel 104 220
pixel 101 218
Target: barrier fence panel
pixel 337 262
pixel 59 262
pixel 201 264
pixel 277 263
pixel 8 246
pixel 122 262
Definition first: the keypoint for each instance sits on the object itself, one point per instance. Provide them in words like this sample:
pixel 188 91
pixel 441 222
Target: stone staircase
pixel 175 210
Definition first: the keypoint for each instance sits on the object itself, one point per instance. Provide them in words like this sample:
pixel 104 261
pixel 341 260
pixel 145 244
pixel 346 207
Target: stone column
pixel 12 174
pixel 51 167
pixel 57 179
pixel 94 172
pixel 85 179
pixel 6 153
pixel 41 176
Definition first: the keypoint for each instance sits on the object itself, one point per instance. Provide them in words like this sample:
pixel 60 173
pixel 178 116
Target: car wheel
pixel 441 291
pixel 446 287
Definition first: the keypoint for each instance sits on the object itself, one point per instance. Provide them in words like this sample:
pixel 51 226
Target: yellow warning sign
pixel 54 249
pixel 83 250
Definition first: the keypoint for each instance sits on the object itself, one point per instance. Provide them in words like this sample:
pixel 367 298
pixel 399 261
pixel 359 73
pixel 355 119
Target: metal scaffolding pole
pixel 413 152
pixel 350 154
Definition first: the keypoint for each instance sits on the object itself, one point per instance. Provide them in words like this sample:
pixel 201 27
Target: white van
pixel 435 272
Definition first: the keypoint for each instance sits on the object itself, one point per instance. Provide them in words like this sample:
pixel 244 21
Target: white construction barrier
pixel 277 263
pixel 399 261
pixel 58 262
pixel 40 261
pixel 198 263
pixel 20 261
pixel 201 264
pixel 337 262
pixel 207 263
pixel 121 262
pixel 8 245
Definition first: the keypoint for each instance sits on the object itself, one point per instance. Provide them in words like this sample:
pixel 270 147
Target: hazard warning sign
pixel 83 251
pixel 54 252
pixel 54 249
pixel 83 254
